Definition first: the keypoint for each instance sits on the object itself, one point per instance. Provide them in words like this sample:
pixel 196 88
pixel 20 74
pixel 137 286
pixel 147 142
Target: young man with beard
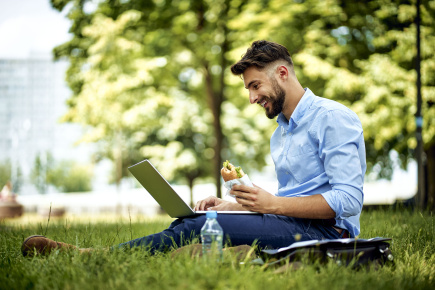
pixel 319 155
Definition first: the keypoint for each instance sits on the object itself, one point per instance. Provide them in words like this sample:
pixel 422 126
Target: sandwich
pixel 230 172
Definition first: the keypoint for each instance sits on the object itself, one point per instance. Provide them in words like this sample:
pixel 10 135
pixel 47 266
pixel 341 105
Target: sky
pixel 30 26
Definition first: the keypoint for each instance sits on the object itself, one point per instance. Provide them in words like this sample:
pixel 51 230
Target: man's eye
pixel 255 87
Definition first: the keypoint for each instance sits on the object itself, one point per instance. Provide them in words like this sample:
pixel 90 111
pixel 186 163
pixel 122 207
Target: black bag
pixel 356 253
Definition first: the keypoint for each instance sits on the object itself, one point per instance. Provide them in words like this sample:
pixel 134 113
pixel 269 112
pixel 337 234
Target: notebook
pixel 160 189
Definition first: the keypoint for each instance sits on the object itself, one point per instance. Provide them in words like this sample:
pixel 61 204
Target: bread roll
pixel 230 172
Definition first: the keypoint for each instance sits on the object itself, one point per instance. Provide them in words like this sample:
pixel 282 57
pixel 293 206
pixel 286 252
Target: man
pixel 319 155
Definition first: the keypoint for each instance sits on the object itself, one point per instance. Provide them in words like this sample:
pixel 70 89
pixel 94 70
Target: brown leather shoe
pixel 190 250
pixel 242 252
pixel 42 245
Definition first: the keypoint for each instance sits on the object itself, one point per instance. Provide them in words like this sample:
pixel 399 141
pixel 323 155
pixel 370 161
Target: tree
pixel 5 176
pixel 117 46
pixel 379 84
pixel 362 54
pixel 41 167
pixel 111 82
pixel 391 78
pixel 68 176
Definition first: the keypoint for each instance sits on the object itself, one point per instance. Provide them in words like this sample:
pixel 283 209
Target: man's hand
pixel 254 198
pixel 210 201
pixel 259 200
pixel 214 203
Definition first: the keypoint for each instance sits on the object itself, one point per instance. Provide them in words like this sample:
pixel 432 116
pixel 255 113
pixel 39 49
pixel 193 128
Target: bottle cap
pixel 211 214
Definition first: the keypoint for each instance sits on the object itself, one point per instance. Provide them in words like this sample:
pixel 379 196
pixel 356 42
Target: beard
pixel 276 99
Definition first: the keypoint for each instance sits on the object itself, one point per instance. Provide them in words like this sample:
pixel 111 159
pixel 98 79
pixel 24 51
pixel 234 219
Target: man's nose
pixel 253 97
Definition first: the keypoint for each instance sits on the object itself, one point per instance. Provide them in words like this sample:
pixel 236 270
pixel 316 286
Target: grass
pixel 413 247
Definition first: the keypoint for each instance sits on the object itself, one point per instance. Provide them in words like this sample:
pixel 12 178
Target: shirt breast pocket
pixel 304 163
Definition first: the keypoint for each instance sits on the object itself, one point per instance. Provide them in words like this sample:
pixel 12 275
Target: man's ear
pixel 282 72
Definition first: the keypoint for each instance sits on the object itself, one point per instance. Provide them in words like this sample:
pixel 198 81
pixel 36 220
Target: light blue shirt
pixel 321 151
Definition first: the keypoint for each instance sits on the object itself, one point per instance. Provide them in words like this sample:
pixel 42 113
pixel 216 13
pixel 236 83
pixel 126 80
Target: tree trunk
pixel 190 181
pixel 214 99
pixel 430 177
pixel 118 170
pixel 215 102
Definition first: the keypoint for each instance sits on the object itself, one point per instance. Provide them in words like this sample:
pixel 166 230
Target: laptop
pixel 160 189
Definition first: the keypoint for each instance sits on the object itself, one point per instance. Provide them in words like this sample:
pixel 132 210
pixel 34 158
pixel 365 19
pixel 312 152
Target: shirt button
pixel 287 172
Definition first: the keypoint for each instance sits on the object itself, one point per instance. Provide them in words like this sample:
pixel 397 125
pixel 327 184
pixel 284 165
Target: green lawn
pixel 413 247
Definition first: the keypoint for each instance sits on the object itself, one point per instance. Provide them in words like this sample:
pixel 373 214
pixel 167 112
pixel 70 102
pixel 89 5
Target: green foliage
pixel 68 176
pixel 413 248
pixel 361 54
pixel 5 176
pixel 150 84
pixel 41 167
pixel 5 172
pixel 387 81
pixel 134 64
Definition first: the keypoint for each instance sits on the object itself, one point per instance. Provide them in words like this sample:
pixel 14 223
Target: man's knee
pixel 190 227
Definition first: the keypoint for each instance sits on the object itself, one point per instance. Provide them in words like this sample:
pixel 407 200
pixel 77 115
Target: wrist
pixel 236 206
pixel 276 207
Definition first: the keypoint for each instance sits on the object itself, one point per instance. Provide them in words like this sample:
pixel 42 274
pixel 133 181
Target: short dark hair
pixel 260 54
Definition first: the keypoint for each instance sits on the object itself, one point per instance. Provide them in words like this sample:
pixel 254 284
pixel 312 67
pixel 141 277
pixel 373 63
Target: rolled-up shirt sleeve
pixel 342 150
pixel 344 203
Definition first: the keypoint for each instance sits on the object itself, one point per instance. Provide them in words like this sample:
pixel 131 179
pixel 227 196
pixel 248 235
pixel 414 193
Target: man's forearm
pixel 314 207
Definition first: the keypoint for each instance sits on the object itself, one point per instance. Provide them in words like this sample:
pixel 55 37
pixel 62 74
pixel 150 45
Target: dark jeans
pixel 268 231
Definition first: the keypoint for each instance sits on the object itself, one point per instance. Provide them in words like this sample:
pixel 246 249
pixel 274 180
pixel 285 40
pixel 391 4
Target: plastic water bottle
pixel 212 236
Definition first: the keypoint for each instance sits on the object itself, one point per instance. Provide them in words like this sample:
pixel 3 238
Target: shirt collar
pixel 304 103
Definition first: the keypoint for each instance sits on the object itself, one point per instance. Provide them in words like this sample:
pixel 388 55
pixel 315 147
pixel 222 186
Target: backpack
pixel 356 253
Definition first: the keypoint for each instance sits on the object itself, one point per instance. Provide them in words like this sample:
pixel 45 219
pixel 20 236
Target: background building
pixel 33 97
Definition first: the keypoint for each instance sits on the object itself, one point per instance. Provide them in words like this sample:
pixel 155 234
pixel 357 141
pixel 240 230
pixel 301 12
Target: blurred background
pixel 90 87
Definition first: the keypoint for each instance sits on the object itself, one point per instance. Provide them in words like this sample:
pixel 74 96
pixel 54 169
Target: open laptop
pixel 163 192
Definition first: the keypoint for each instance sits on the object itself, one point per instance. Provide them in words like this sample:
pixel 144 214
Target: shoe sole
pixel 23 250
